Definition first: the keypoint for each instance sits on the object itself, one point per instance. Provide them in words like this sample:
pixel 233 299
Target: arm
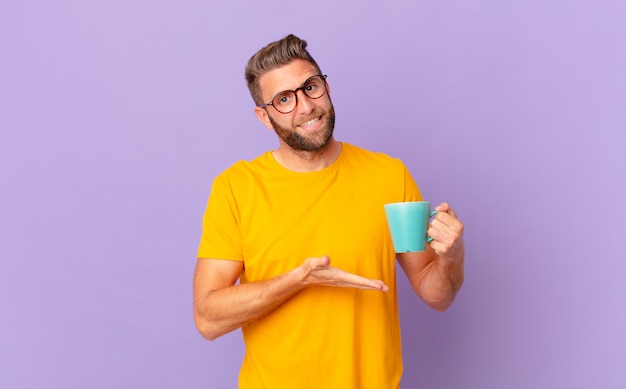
pixel 221 306
pixel 436 274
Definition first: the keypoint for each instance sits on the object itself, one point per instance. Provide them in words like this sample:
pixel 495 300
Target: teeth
pixel 310 122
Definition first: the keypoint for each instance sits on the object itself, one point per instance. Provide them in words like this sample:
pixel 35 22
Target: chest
pixel 286 222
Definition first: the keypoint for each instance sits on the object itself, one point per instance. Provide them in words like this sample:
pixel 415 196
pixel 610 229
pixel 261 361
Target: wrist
pixel 299 275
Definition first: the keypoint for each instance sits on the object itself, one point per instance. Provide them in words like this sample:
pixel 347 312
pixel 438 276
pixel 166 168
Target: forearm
pixel 220 306
pixel 224 310
pixel 441 282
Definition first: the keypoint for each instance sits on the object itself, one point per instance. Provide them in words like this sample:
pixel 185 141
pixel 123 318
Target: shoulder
pixel 244 171
pixel 247 167
pixel 378 171
pixel 363 157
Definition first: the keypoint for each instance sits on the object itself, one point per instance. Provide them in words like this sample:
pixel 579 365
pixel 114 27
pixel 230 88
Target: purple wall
pixel 116 115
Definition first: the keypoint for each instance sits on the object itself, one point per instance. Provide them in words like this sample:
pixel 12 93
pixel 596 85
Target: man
pixel 276 223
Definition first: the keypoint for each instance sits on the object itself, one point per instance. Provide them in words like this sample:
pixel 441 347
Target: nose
pixel 305 103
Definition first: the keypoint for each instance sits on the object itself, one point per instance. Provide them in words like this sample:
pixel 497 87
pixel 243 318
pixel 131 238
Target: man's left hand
pixel 447 232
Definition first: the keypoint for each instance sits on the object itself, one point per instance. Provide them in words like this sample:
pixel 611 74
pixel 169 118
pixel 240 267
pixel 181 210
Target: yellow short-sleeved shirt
pixel 272 219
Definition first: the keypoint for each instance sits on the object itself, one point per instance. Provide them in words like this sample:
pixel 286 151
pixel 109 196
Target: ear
pixel 263 117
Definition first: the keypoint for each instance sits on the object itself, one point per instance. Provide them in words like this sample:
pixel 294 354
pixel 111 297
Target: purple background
pixel 116 115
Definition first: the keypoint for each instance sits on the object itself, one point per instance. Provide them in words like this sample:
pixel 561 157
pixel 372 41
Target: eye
pixel 283 99
pixel 311 86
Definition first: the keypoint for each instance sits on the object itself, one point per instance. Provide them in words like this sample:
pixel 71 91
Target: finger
pixel 448 250
pixel 318 263
pixel 452 231
pixel 446 241
pixel 379 285
pixel 441 223
pixel 437 235
pixel 443 207
pixel 448 219
pixel 325 261
pixel 446 208
pixel 333 276
pixel 439 248
pixel 445 233
pixel 451 212
pixel 355 281
pixel 376 285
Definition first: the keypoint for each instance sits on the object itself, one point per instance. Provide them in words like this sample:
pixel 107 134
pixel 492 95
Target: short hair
pixel 273 56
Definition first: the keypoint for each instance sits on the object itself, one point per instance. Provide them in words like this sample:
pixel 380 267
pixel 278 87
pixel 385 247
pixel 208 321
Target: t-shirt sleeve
pixel 221 234
pixel 411 191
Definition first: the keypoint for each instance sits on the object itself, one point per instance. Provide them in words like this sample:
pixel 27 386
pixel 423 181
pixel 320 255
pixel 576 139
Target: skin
pixel 221 306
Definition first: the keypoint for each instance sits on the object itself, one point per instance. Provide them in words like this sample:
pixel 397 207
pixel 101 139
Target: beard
pixel 313 142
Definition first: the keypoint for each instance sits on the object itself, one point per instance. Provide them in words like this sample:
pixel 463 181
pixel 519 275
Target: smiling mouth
pixel 311 122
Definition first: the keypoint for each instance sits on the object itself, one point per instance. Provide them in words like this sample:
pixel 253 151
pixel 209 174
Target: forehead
pixel 288 77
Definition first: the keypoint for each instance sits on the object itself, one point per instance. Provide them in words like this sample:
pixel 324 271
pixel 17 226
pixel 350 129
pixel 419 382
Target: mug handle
pixel 428 238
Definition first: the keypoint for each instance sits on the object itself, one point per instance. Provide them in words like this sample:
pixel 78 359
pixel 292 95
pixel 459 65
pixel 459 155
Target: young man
pixel 276 223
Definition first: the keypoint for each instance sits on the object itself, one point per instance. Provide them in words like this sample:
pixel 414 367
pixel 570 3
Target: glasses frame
pixel 295 93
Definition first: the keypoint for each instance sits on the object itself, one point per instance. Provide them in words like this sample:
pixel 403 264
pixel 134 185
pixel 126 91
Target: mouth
pixel 311 123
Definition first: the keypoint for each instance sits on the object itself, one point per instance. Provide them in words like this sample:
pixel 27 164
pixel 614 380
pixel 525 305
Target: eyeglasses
pixel 286 101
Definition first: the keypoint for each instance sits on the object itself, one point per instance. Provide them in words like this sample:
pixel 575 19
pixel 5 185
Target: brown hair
pixel 272 56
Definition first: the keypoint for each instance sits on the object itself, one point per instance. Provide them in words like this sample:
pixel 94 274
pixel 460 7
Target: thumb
pixel 443 207
pixel 318 263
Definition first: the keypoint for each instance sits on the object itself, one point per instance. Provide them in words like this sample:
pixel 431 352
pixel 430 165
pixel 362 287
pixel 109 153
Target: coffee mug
pixel 408 224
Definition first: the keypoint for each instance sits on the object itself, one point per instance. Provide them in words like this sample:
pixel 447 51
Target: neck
pixel 307 161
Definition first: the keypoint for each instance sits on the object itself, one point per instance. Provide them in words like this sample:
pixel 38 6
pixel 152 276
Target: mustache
pixel 313 115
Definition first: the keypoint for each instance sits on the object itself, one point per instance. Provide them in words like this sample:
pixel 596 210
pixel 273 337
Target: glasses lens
pixel 285 102
pixel 315 88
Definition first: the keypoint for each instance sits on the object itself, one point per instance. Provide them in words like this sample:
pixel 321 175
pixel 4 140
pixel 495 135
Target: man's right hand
pixel 319 272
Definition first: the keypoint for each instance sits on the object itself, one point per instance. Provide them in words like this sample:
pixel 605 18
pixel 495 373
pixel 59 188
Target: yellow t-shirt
pixel 272 218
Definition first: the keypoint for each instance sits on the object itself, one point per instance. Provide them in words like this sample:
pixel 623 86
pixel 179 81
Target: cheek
pixel 283 123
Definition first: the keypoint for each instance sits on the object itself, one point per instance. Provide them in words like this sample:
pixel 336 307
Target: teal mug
pixel 408 225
